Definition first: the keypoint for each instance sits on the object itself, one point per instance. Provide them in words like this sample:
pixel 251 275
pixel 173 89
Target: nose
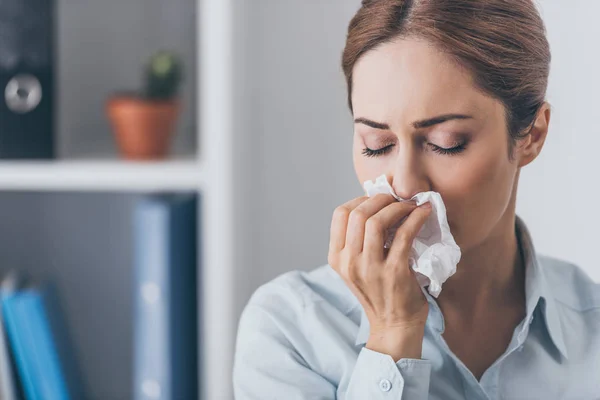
pixel 409 177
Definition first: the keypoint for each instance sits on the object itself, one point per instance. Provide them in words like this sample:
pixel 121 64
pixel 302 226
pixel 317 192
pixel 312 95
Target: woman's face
pixel 432 129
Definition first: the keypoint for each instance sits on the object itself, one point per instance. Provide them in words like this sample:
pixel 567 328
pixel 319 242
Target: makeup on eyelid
pixel 441 140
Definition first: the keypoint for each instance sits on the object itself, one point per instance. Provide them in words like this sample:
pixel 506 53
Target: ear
pixel 529 148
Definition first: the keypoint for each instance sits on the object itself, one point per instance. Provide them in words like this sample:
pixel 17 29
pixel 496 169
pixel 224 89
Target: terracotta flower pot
pixel 142 128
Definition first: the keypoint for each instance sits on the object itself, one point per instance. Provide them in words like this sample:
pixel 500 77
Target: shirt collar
pixel 536 289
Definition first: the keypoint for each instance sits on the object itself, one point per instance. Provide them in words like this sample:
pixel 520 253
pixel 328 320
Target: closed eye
pixel 374 153
pixel 437 149
pixel 448 151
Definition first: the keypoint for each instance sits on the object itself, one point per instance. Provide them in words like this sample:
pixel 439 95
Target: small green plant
pixel 163 75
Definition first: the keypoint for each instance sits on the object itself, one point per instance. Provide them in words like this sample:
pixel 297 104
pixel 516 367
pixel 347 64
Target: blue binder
pixel 33 347
pixel 41 346
pixel 165 319
pixel 8 388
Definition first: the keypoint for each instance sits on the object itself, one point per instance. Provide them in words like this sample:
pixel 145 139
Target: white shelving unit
pixel 101 175
pixel 216 116
pixel 209 173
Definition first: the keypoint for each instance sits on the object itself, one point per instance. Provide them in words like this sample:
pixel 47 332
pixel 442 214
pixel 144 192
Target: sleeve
pixel 267 366
pixel 376 376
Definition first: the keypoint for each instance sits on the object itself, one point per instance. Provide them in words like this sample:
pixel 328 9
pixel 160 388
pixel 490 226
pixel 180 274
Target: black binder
pixel 26 79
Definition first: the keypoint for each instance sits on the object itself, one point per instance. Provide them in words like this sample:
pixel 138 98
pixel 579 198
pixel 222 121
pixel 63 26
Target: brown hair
pixel 502 43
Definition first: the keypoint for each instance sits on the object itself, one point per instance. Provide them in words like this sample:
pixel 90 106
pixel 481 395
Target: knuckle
pixel 341 212
pixel 374 224
pixel 358 216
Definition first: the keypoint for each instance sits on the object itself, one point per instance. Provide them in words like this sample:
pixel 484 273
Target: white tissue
pixel 434 254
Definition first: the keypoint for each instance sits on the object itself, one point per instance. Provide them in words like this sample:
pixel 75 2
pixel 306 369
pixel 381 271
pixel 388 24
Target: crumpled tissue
pixel 434 254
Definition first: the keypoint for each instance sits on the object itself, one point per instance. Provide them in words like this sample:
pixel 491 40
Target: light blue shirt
pixel 303 335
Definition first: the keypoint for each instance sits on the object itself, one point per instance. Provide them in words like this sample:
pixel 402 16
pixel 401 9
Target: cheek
pixel 476 193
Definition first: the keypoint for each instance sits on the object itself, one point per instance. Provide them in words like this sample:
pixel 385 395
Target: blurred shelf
pixel 102 175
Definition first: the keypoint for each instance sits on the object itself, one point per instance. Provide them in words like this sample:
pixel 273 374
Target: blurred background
pixel 144 142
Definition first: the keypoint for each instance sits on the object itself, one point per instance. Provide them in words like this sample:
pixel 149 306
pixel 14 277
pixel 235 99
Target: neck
pixel 489 275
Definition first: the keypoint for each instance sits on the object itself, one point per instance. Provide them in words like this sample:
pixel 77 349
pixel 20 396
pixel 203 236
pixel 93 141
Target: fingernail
pixel 426 205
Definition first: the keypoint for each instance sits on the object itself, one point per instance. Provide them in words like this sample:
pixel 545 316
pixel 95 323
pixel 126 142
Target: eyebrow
pixel 426 123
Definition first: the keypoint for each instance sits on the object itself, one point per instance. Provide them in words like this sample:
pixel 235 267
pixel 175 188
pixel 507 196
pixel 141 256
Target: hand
pixel 381 279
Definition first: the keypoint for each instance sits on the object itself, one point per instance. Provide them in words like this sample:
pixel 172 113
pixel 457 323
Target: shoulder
pixel 294 336
pixel 291 315
pixel 294 291
pixel 570 284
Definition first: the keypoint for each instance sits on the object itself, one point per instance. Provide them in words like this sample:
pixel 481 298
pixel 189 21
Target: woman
pixel 447 96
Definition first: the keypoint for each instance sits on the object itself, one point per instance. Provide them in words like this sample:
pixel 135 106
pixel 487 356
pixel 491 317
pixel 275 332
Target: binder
pixel 32 343
pixel 165 315
pixel 8 389
pixel 41 346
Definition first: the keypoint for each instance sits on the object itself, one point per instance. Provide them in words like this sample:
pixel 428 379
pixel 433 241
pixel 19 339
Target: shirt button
pixel 385 385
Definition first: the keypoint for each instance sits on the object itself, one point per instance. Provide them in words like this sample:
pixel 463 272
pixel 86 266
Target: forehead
pixel 410 79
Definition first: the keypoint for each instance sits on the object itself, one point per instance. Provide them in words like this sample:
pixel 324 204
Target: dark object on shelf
pixel 143 124
pixel 26 79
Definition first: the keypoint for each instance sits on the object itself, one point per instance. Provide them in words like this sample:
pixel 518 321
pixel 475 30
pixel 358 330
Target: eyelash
pixel 440 150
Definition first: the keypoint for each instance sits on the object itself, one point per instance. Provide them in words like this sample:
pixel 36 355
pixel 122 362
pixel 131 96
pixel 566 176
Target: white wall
pixel 295 137
pixel 558 192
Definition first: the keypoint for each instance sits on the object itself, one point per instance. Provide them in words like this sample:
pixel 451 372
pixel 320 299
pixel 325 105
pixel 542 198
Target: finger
pixel 355 235
pixel 378 225
pixel 339 224
pixel 406 233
